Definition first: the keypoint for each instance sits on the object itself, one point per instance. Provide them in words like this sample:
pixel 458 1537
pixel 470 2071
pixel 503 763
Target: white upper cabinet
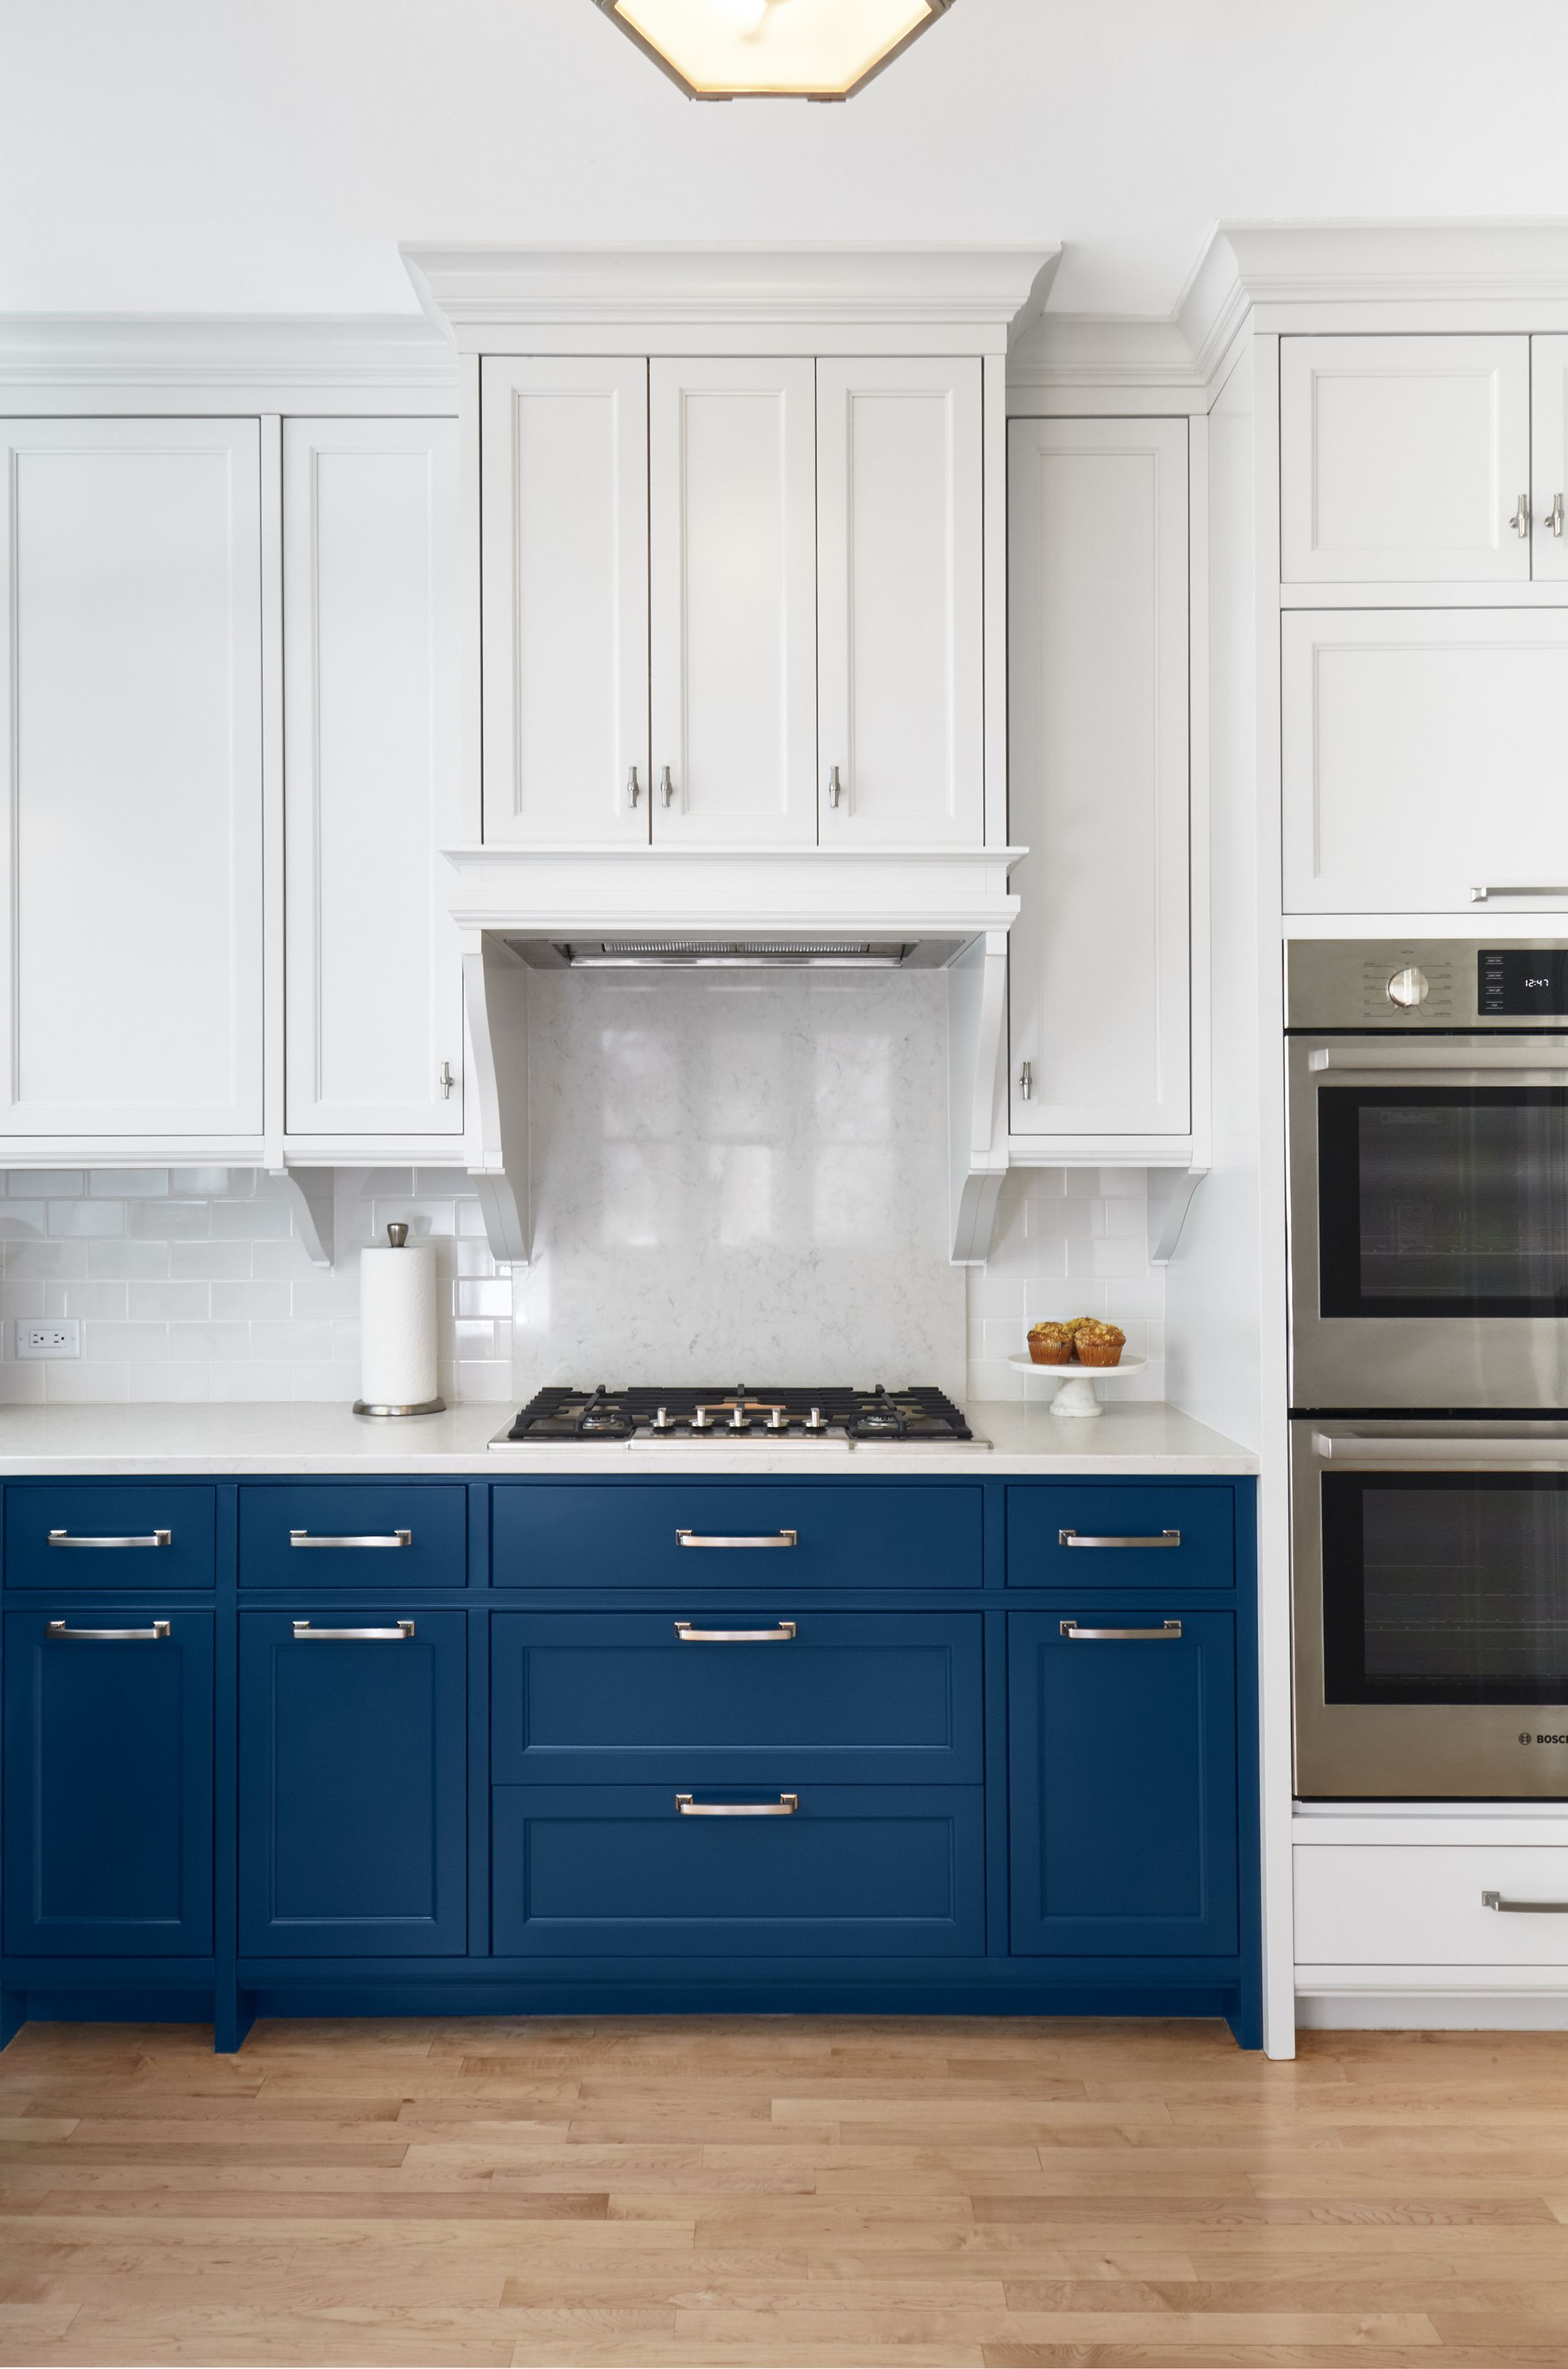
pixel 1424 758
pixel 130 1006
pixel 565 598
pixel 900 625
pixel 1100 996
pixel 1405 460
pixel 732 541
pixel 374 997
pixel 1549 440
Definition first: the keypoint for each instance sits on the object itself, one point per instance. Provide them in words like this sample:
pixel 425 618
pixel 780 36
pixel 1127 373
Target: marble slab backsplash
pixel 734 1179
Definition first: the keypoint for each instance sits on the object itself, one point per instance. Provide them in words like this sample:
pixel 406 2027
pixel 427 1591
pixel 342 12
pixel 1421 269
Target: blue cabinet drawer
pixel 1066 1535
pixel 853 1872
pixel 727 1696
pixel 1122 1783
pixel 141 1534
pixel 776 1535
pixel 108 1780
pixel 382 1534
pixel 352 1782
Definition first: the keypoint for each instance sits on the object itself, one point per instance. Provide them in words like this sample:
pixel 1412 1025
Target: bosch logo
pixel 1527 1738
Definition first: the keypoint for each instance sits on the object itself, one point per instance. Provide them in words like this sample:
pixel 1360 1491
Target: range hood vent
pixel 729 953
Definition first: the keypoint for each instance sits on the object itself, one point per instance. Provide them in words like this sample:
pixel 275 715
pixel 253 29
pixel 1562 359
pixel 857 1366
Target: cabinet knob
pixel 835 787
pixel 666 787
pixel 1553 517
pixel 446 1082
pixel 633 787
pixel 1026 1081
pixel 1520 521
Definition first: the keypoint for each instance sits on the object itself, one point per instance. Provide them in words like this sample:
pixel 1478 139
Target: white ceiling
pixel 267 156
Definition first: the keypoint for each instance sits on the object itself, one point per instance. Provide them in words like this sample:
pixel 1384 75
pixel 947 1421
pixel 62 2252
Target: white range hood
pixel 519 910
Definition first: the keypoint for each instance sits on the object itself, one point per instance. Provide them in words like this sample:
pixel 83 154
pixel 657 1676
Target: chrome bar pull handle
pixel 153 1538
pixel 1026 1081
pixel 372 1539
pixel 785 1807
pixel 779 1636
pixel 835 787
pixel 111 1636
pixel 446 1082
pixel 633 787
pixel 1520 888
pixel 305 1635
pixel 1076 1538
pixel 1520 521
pixel 666 787
pixel 1168 1631
pixel 1524 1907
pixel 774 1538
pixel 1553 519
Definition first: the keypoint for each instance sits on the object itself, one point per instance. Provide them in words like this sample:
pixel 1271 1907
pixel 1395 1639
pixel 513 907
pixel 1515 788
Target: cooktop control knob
pixel 1409 988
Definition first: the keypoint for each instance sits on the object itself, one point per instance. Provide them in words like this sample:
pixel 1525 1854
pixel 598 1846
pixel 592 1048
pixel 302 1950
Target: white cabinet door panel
pixel 1549 448
pixel 374 994
pixel 1403 459
pixel 1099 958
pixel 733 564
pixel 564 518
pixel 1425 753
pixel 1421 1904
pixel 901 604
pixel 130 602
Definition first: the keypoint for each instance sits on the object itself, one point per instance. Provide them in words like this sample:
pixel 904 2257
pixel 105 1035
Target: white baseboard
pixel 1423 2011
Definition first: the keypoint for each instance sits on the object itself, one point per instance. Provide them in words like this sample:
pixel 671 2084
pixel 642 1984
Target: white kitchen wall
pixel 1068 1242
pixel 193 1284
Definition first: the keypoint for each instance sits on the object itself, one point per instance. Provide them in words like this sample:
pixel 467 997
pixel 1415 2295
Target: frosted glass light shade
pixel 773 48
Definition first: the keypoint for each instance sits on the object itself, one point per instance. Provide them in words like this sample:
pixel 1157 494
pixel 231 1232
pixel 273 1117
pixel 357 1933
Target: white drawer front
pixel 1421 1905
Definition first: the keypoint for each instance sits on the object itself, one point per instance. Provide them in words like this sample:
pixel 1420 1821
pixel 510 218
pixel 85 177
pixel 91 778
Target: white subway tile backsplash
pixel 105 1299
pixel 49 1259
pixel 161 1301
pixel 79 1219
pixel 146 1343
pixel 1067 1243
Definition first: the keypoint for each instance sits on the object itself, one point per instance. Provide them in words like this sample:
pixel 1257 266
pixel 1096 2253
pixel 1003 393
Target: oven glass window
pixel 1443 1201
pixel 1445 1587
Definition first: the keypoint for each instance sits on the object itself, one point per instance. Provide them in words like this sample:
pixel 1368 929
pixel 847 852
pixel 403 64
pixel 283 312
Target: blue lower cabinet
pixel 353 1793
pixel 724 1695
pixel 403 1533
pixel 1123 1783
pixel 108 1782
pixel 631 1872
pixel 146 1536
pixel 1170 1537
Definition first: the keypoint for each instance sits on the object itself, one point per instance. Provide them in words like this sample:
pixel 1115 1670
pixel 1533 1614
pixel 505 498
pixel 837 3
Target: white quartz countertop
pixel 1138 1437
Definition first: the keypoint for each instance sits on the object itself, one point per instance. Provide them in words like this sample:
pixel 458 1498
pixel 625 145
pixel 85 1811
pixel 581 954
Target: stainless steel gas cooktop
pixel 831 1416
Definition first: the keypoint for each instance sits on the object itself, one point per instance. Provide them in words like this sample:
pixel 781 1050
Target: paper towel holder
pixel 397 1239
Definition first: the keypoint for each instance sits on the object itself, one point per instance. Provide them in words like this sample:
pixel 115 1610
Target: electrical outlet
pixel 57 1337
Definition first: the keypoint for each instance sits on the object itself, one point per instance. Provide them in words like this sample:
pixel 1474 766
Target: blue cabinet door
pixel 723 1696
pixel 333 1534
pixel 108 1782
pixel 852 1872
pixel 146 1535
pixel 352 1783
pixel 1123 1783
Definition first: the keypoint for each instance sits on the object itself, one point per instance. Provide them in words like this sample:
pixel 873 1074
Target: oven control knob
pixel 1409 988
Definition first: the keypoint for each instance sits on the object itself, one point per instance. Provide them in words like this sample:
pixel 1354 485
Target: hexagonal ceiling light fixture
pixel 773 48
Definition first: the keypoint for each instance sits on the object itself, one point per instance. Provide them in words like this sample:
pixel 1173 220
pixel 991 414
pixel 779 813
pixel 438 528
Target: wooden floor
pixel 833 2191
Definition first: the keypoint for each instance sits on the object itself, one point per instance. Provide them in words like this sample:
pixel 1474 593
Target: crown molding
pixel 490 297
pixel 225 353
pixel 1103 351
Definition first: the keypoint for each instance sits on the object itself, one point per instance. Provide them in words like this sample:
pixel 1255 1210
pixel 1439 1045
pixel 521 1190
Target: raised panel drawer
pixel 620 1534
pixel 1140 1539
pixel 1421 1905
pixel 146 1535
pixel 389 1534
pixel 743 1696
pixel 853 1871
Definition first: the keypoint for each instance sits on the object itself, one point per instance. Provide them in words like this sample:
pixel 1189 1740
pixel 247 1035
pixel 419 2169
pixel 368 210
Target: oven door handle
pixel 1408 1060
pixel 1456 1455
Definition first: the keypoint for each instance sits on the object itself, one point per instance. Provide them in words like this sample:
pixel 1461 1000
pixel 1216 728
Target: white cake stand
pixel 1075 1384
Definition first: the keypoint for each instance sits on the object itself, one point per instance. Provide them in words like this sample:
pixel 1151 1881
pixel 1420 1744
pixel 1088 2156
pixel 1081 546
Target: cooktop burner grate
pixel 738 1412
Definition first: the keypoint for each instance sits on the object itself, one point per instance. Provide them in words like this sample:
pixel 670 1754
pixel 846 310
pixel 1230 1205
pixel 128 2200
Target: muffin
pixel 1051 1344
pixel 1098 1343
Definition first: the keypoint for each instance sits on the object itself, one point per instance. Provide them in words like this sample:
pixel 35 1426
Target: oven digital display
pixel 1521 983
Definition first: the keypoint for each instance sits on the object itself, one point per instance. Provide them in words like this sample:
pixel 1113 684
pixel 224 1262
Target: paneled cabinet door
pixel 352 1783
pixel 1548 453
pixel 899 630
pixel 1405 460
pixel 131 999
pixel 374 992
pixel 1424 758
pixel 1100 1020
pixel 108 1780
pixel 565 599
pixel 1123 1783
pixel 732 502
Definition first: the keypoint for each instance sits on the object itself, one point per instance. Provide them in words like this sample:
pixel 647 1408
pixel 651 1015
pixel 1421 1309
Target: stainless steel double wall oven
pixel 1427 1121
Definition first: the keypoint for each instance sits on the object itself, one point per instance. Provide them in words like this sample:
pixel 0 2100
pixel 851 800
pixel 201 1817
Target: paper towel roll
pixel 397 1330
